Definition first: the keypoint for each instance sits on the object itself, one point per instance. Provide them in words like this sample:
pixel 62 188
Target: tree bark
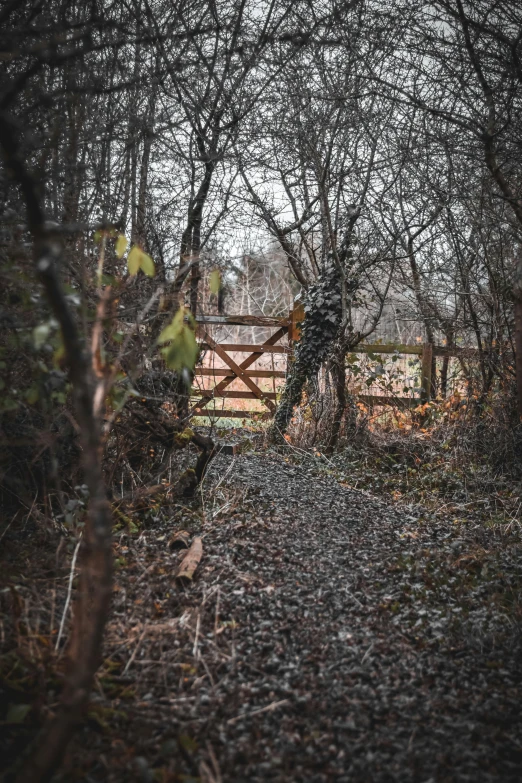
pixel 338 372
pixel 516 206
pixel 141 210
pixel 518 351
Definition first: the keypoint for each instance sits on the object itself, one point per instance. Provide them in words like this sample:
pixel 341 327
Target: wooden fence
pixel 288 326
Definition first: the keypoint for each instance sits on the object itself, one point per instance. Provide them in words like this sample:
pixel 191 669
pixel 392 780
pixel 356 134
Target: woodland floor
pixel 329 635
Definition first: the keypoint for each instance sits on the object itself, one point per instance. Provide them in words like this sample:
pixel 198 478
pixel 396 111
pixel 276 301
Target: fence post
pixel 427 356
pixel 296 315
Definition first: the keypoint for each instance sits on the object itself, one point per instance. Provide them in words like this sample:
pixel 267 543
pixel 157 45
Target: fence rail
pixel 243 348
pixel 417 350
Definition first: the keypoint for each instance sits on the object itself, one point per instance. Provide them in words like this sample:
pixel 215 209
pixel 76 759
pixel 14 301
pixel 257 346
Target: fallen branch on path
pixel 190 562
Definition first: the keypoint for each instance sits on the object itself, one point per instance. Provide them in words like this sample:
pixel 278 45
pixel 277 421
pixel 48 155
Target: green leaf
pixel 147 265
pixel 182 314
pixel 121 245
pixel 134 260
pixel 182 351
pixel 137 260
pixel 171 331
pixel 188 743
pixel 59 353
pixel 189 318
pixel 32 395
pixel 215 281
pixel 40 334
pixel 17 713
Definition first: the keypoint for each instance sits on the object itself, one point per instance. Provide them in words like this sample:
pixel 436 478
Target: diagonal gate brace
pixel 238 370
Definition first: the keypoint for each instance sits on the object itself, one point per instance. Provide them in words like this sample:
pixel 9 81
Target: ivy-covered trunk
pixel 319 330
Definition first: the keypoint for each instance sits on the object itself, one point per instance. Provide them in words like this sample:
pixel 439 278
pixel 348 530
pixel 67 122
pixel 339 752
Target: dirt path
pixel 329 636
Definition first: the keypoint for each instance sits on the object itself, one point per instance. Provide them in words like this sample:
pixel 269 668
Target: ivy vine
pixel 319 330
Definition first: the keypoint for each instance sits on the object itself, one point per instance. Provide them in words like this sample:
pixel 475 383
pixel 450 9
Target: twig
pixel 8 526
pixel 225 475
pixel 196 639
pixel 135 651
pixel 216 616
pixel 268 708
pixel 354 598
pixel 205 774
pixel 215 764
pixel 69 593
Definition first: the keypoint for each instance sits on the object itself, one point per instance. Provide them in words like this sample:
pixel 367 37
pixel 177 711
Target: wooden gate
pixel 234 371
pixel 288 326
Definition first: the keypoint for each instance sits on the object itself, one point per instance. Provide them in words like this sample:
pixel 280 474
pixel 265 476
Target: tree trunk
pixel 518 352
pixel 433 389
pixel 92 606
pixel 426 370
pixel 428 326
pixel 516 205
pixel 141 211
pixel 90 616
pixel 191 240
pixel 450 337
pixel 338 372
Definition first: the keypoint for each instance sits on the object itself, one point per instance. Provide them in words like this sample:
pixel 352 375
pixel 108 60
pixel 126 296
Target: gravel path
pixel 329 636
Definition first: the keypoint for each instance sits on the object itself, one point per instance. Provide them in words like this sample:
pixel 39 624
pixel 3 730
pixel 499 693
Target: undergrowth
pixel 452 457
